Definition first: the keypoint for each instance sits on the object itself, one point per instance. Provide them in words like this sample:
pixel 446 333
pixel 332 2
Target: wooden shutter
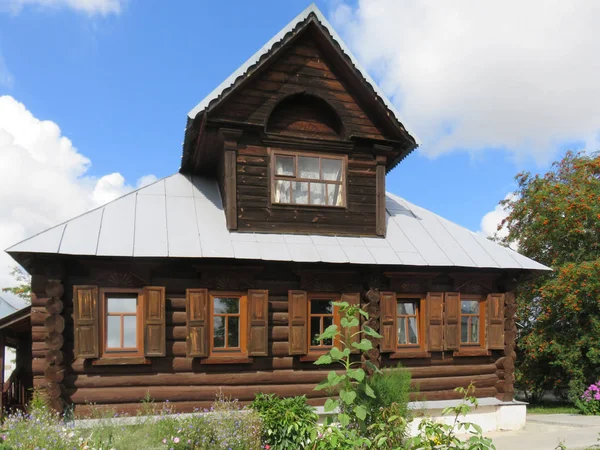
pixel 495 311
pixel 196 307
pixel 298 311
pixel 155 339
pixel 353 299
pixel 452 325
pixel 388 322
pixel 258 322
pixel 435 320
pixel 85 321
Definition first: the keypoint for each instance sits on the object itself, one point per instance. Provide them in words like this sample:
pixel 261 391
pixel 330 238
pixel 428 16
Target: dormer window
pixel 308 179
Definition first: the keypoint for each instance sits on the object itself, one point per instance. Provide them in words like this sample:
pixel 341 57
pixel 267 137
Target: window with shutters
pixel 122 330
pixel 308 179
pixel 472 321
pixel 321 314
pixel 410 321
pixel 228 329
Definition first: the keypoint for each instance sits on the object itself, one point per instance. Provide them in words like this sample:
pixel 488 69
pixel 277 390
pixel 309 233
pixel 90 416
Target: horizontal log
pixel 38 316
pixel 176 304
pixel 279 333
pixel 452 371
pixel 451 394
pixel 176 318
pixel 38 333
pixel 227 378
pixel 176 364
pixel 278 306
pixel 39 300
pixel 187 393
pixel 278 318
pixel 440 384
pixel 279 348
pixel 54 288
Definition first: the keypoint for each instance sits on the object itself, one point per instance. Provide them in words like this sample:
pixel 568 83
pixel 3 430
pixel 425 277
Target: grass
pixel 552 408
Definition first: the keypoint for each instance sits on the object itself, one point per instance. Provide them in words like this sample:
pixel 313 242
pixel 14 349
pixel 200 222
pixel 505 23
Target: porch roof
pixel 182 216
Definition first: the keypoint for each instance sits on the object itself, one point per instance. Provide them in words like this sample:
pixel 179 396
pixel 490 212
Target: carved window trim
pixel 216 353
pixel 273 153
pixel 482 321
pixel 321 349
pixel 419 301
pixel 109 353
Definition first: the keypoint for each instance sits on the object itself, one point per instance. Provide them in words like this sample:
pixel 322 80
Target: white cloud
pixel 491 220
pixel 91 7
pixel 469 75
pixel 43 179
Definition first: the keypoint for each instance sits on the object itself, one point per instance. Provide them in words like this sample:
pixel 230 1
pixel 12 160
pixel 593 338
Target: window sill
pixel 229 359
pixel 413 353
pixel 472 352
pixel 121 361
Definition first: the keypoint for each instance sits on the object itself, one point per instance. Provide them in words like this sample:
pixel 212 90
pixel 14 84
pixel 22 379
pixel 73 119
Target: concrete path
pixel 545 431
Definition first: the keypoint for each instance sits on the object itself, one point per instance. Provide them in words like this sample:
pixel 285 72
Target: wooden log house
pixel 220 276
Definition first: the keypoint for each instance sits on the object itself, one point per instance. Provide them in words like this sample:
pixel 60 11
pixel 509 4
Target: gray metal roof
pixel 182 216
pixel 240 71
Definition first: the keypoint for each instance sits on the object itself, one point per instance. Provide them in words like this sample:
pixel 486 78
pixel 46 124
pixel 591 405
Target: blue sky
pixel 120 83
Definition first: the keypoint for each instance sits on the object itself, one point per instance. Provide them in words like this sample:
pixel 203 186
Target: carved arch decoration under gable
pixel 306 115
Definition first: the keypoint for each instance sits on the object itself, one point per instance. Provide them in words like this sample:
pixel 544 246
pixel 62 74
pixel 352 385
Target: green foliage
pixel 332 437
pixel 389 428
pixel 555 219
pixel 442 436
pixel 287 423
pixel 391 387
pixel 23 284
pixel 351 385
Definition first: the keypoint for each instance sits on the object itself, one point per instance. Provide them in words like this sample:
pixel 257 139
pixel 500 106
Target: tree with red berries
pixel 555 220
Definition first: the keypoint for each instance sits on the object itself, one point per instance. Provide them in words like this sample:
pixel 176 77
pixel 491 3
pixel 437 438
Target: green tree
pixel 22 288
pixel 555 219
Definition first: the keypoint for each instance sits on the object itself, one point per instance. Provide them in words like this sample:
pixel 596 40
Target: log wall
pixel 189 383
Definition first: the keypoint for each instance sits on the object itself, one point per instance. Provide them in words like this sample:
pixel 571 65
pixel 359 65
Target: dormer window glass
pixel 308 180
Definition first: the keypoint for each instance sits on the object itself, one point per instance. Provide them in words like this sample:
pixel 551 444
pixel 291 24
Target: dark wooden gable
pixel 302 68
pixel 303 97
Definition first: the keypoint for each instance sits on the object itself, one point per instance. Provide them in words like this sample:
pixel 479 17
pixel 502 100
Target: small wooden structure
pixel 15 332
pixel 221 275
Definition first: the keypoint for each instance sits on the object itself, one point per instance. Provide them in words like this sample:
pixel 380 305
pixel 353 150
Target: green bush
pixel 392 386
pixel 287 423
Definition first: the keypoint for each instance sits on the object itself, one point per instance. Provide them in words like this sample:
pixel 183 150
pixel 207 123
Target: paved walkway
pixel 545 431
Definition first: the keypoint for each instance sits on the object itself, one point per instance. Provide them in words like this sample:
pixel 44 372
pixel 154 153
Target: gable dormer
pixel 298 138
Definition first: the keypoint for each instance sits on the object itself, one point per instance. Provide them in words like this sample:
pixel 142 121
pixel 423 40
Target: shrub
pixel 287 423
pixel 434 435
pixel 389 429
pixel 589 402
pixel 392 387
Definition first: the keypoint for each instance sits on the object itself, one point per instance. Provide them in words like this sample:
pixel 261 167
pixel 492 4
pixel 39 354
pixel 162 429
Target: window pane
pixel 233 332
pixel 226 305
pixel 317 193
pixel 284 165
pixel 113 332
pixel 300 192
pixel 332 169
pixel 469 306
pixel 315 330
pixel 308 167
pixel 282 191
pixel 334 194
pixel 218 332
pixel 412 330
pixel 121 304
pixel 129 331
pixel 464 329
pixel 402 332
pixel 327 321
pixel 321 307
pixel 408 308
pixel 474 329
